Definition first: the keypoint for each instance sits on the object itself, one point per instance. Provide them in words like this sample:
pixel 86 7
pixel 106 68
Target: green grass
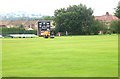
pixel 83 56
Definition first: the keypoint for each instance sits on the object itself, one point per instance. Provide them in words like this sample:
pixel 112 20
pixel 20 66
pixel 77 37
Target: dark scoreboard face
pixel 44 25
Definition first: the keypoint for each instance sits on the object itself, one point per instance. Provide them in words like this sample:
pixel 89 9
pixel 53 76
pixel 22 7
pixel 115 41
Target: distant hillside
pixel 19 16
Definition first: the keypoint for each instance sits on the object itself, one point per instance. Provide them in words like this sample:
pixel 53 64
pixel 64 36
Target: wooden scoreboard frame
pixel 43 26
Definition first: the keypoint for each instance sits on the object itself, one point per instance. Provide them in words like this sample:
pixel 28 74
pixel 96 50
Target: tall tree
pixel 115 27
pixel 117 10
pixel 76 19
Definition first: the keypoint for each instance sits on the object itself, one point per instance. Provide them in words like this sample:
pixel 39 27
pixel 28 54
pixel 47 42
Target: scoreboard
pixel 42 27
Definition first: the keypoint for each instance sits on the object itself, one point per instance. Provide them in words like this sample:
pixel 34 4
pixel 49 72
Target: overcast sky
pixel 47 7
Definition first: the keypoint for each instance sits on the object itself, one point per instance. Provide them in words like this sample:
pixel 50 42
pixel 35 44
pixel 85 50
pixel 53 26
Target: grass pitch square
pixel 71 56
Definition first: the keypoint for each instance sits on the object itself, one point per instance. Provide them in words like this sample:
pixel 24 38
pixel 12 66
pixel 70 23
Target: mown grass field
pixel 76 56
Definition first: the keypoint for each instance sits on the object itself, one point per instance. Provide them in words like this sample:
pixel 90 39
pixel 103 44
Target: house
pixel 32 24
pixel 107 18
pixel 28 25
pixel 4 23
pixel 16 23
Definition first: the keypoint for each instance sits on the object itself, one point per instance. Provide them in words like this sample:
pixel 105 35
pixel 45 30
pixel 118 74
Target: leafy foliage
pixel 76 19
pixel 47 17
pixel 117 10
pixel 96 27
pixel 6 31
pixel 115 26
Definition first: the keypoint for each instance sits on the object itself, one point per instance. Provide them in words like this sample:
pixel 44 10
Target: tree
pixel 115 26
pixel 47 17
pixel 76 19
pixel 117 10
pixel 96 27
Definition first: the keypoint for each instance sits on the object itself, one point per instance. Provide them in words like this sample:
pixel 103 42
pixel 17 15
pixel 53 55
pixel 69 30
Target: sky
pixel 47 7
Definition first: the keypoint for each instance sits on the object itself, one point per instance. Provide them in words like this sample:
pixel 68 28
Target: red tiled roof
pixel 107 18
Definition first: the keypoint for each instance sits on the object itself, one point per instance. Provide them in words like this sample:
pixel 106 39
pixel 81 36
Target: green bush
pixel 115 27
pixel 7 31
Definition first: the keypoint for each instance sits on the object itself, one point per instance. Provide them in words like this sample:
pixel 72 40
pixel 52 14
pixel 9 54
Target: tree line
pixel 79 20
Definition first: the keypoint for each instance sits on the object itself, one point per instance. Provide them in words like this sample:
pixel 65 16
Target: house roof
pixel 2 22
pixel 108 17
pixel 30 22
pixel 45 20
pixel 18 22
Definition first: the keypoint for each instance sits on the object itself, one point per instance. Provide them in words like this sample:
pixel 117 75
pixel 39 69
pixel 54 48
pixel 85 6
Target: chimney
pixel 107 13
